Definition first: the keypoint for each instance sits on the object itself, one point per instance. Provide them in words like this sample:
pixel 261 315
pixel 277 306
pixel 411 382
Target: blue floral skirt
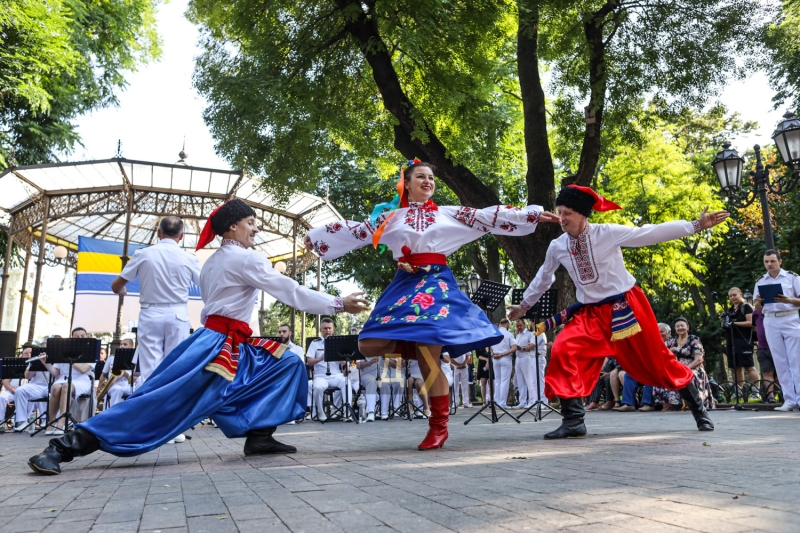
pixel 428 307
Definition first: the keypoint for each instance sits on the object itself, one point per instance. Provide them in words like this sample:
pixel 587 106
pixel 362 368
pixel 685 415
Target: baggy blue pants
pixel 266 392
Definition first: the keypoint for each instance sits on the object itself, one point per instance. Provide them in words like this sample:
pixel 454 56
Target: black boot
pixel 572 427
pixel 75 443
pixel 261 442
pixel 691 396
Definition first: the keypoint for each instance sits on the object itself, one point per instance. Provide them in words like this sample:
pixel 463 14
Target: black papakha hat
pixel 576 200
pixel 229 214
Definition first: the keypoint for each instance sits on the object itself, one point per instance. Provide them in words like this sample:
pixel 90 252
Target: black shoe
pixel 76 443
pixel 691 396
pixel 572 427
pixel 261 442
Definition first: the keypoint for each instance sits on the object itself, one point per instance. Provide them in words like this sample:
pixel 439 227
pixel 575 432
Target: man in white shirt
pixel 165 272
pixel 368 373
pixel 461 379
pixel 614 317
pixel 326 375
pixel 122 386
pixel 391 389
pixel 782 326
pixel 242 382
pixel 35 388
pixel 285 332
pixel 526 364
pixel 501 363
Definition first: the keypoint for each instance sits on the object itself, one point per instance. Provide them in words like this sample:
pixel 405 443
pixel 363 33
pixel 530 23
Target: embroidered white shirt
pixel 790 284
pixel 165 271
pixel 232 277
pixel 594 259
pixel 425 231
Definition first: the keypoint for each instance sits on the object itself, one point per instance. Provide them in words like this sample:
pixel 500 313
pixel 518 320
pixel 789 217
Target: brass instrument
pixel 112 378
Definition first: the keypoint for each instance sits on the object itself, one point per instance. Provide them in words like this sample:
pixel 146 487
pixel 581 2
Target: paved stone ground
pixel 647 472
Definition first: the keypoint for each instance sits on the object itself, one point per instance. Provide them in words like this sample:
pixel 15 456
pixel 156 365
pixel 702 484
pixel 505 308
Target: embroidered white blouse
pixel 425 230
pixel 594 259
pixel 233 276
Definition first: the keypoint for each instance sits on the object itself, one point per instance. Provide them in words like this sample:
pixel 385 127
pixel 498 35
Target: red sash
pixel 236 332
pixel 414 261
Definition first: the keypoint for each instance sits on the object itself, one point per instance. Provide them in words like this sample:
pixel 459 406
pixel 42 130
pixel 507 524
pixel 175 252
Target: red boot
pixel 437 423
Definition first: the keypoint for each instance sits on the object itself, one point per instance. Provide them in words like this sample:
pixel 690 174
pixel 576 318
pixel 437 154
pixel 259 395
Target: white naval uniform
pixel 119 389
pixel 33 390
pixel 322 381
pixel 526 368
pixel 783 334
pixel 391 388
pixel 81 383
pixel 461 379
pixel 165 272
pixel 6 396
pixel 502 367
pixel 369 378
pixel 447 370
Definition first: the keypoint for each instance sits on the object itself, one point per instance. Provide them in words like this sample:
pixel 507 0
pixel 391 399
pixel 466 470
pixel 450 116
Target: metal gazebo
pixel 45 206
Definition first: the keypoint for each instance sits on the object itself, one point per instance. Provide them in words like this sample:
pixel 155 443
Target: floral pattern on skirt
pixel 428 307
pixel 685 354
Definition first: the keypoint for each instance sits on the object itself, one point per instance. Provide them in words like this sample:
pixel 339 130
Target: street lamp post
pixel 728 167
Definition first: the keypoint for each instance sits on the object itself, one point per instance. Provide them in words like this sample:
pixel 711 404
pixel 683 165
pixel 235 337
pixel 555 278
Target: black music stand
pixel 71 351
pixel 11 368
pixel 36 365
pixel 123 362
pixel 489 295
pixel 343 348
pixel 545 308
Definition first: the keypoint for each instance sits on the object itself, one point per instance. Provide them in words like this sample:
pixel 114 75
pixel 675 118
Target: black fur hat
pixel 576 200
pixel 229 214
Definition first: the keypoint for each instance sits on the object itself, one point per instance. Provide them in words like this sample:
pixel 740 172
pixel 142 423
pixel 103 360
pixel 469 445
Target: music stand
pixel 123 362
pixel 11 368
pixel 545 308
pixel 71 351
pixel 343 348
pixel 489 295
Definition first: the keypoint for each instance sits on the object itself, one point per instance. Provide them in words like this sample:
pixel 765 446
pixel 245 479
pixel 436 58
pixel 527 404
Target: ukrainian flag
pixel 99 263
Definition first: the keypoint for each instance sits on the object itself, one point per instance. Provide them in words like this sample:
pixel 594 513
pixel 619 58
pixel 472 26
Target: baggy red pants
pixel 578 352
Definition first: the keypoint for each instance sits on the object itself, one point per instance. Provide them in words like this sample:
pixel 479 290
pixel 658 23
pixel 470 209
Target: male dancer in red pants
pixel 615 318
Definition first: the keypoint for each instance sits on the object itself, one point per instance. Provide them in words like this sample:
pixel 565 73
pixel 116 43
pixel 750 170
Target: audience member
pixel 738 339
pixel 501 364
pixel 35 388
pixel 81 384
pixel 764 355
pixel 10 386
pixel 461 379
pixel 603 387
pixel 325 374
pixel 391 389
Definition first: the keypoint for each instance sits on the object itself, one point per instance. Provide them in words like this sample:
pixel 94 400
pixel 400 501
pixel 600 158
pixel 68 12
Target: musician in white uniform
pixel 461 379
pixel 11 385
pixel 325 374
pixel 165 272
pixel 81 384
pixel 501 363
pixel 369 371
pixel 782 326
pixel 391 390
pixel 36 387
pixel 122 386
pixel 537 393
pixel 285 333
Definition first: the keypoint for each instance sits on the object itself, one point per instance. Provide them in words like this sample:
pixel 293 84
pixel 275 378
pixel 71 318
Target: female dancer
pixel 422 310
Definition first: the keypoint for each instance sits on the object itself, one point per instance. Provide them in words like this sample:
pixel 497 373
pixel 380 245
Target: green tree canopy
pixel 60 59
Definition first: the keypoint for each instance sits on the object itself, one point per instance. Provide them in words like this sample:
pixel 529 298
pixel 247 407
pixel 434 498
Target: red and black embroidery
pixel 533 218
pixel 333 227
pixel 466 215
pixel 420 219
pixel 508 226
pixel 582 256
pixel 321 247
pixel 696 226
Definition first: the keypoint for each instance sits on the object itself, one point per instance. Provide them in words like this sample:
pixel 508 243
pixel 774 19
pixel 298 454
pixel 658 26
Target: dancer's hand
pixel 308 244
pixel 709 220
pixel 354 305
pixel 516 312
pixel 547 216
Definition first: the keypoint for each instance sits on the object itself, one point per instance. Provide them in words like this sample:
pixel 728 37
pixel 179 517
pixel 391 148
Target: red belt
pixel 419 260
pixel 236 332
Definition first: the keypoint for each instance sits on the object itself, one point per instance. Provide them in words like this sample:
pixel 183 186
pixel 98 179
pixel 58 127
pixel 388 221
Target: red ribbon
pixel 600 203
pixel 207 235
pixel 424 259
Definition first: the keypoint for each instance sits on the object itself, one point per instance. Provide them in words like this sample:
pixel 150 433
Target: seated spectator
pixel 461 379
pixel 617 377
pixel 416 382
pixel 35 388
pixel 603 387
pixel 81 384
pixel 689 350
pixel 631 385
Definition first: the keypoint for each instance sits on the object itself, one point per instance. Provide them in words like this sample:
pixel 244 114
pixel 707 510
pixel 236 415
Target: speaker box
pixel 8 343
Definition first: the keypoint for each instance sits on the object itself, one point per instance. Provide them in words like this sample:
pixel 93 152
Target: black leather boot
pixel 572 427
pixel 261 442
pixel 75 443
pixel 691 396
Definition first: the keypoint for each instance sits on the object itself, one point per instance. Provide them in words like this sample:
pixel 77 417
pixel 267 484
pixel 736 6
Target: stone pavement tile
pixel 78 515
pixel 354 520
pixel 248 499
pixel 269 525
pixel 282 499
pixel 24 524
pixel 69 527
pixel 203 504
pixel 167 530
pixel 306 520
pixel 117 527
pixel 243 513
pixel 530 525
pixel 163 516
pixel 402 519
pixel 326 501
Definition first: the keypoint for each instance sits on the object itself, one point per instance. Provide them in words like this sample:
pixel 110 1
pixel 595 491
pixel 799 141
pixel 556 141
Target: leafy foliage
pixel 783 41
pixel 60 59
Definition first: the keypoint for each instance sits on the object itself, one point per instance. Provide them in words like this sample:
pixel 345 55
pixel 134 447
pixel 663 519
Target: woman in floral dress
pixel 422 310
pixel 689 351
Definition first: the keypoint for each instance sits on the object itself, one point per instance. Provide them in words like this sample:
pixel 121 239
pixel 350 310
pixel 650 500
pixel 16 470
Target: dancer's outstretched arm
pixel 633 237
